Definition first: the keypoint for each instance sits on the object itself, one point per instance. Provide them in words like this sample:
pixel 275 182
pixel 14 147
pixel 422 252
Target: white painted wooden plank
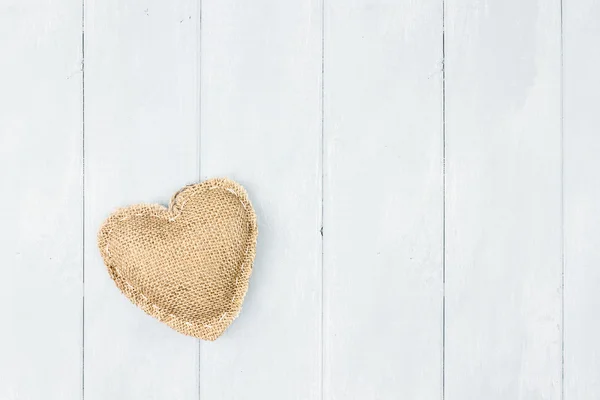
pixel 261 125
pixel 141 145
pixel 383 200
pixel 582 198
pixel 41 205
pixel 503 200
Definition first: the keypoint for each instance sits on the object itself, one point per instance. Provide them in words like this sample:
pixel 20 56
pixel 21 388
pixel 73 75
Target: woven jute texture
pixel 187 265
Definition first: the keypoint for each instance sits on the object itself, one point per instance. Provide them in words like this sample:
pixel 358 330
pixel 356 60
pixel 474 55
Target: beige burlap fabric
pixel 187 265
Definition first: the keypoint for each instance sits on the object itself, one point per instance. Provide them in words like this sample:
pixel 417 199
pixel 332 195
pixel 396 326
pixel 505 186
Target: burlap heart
pixel 187 265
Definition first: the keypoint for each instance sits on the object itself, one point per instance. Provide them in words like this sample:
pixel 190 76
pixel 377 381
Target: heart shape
pixel 187 265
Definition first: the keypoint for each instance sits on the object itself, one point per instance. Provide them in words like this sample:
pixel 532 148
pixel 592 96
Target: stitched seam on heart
pixel 196 189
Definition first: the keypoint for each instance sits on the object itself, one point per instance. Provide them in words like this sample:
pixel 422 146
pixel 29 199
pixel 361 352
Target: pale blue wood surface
pixel 383 200
pixel 41 237
pixel 141 137
pixel 424 175
pixel 582 198
pixel 503 200
pixel 261 125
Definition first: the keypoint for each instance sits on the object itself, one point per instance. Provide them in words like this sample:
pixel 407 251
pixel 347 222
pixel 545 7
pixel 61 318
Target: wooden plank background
pixel 383 200
pixel 261 125
pixel 41 166
pixel 424 174
pixel 141 145
pixel 503 200
pixel 581 98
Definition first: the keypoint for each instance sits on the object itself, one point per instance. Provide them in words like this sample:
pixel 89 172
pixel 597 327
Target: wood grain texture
pixel 582 198
pixel 141 138
pixel 41 202
pixel 503 199
pixel 332 114
pixel 261 125
pixel 383 200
